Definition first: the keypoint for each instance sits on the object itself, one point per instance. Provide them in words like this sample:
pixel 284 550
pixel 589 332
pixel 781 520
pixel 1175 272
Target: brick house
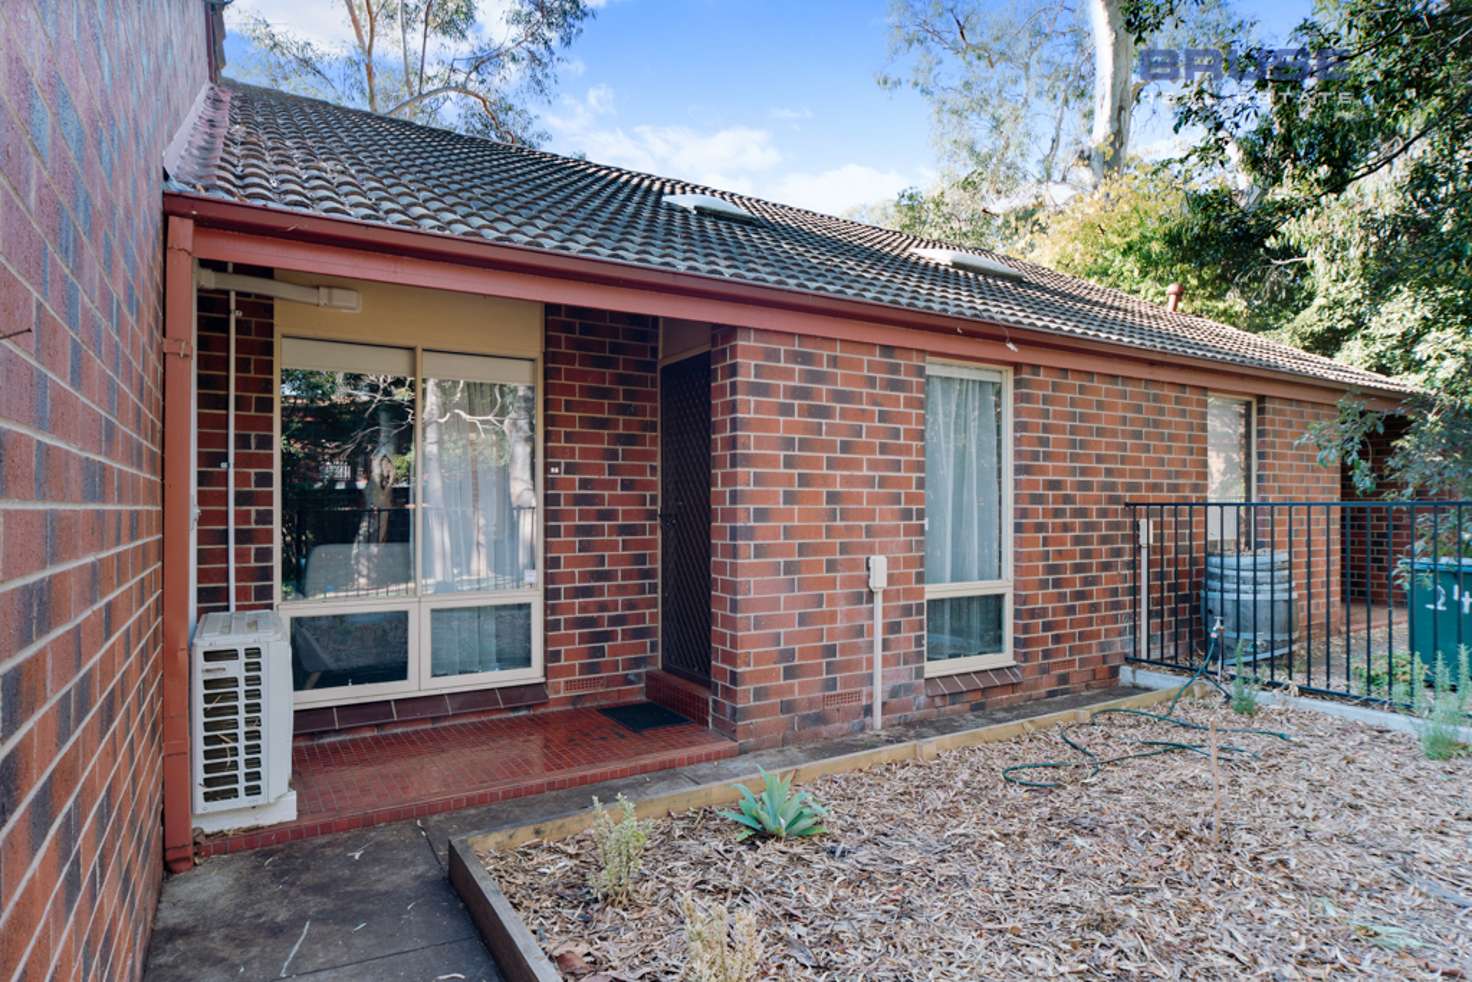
pixel 499 432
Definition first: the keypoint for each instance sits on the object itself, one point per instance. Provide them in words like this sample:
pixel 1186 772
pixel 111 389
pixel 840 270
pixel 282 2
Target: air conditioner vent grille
pixel 242 712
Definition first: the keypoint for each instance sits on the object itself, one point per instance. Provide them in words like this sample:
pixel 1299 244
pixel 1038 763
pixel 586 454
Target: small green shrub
pixel 777 813
pixel 620 850
pixel 1415 692
pixel 1389 676
pixel 719 946
pixel 1446 712
pixel 1244 693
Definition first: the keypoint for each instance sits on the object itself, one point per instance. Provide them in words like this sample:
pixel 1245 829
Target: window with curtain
pixel 967 522
pixel 1229 471
pixel 409 517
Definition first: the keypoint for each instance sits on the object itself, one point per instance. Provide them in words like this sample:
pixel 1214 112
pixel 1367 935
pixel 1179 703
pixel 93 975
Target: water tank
pixel 1251 592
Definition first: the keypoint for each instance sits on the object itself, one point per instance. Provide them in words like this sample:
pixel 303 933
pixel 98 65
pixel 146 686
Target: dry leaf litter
pixel 1341 854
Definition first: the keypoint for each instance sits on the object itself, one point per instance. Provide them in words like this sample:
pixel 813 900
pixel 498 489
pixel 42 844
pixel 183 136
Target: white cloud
pixel 706 157
pixel 836 190
pixel 573 115
pixel 315 20
pixel 733 157
pixel 790 115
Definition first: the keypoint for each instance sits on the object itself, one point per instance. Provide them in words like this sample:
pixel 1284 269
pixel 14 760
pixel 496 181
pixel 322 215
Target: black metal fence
pixel 1359 599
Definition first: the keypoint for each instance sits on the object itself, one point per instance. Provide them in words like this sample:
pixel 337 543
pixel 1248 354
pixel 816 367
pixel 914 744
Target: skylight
pixel 709 204
pixel 970 262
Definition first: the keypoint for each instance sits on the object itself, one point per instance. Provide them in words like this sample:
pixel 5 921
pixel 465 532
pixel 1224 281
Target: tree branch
pixel 452 89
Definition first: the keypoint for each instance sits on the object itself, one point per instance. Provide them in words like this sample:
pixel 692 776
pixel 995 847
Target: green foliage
pixel 1390 676
pixel 620 850
pixel 461 64
pixel 1244 693
pixel 719 946
pixel 1150 227
pixel 1447 710
pixel 777 813
pixel 1432 459
pixel 1370 173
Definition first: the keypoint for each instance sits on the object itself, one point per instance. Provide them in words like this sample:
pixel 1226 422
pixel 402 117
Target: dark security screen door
pixel 684 467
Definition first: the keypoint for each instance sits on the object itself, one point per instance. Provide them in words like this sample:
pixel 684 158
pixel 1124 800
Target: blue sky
pixel 777 99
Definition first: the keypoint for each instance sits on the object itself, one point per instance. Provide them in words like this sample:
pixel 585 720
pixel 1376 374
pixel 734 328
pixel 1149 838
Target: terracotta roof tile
pixel 268 148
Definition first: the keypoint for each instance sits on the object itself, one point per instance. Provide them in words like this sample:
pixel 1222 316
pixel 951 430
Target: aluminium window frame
pixel 418 604
pixel 1004 586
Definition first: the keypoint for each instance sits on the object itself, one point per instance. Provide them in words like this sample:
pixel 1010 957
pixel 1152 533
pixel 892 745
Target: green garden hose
pixel 1154 748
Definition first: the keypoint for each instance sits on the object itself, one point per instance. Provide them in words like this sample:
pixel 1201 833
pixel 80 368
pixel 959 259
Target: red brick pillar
pixel 818 463
pixel 601 440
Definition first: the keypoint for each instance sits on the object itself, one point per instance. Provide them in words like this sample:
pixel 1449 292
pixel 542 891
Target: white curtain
pixel 1228 464
pixel 493 638
pixel 963 480
pixel 963 513
pixel 479 519
pixel 478 487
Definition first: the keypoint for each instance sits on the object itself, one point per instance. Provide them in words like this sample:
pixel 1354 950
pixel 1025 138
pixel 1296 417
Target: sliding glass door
pixel 409 520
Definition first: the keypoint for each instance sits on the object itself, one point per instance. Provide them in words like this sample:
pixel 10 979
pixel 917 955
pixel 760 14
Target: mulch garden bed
pixel 1341 853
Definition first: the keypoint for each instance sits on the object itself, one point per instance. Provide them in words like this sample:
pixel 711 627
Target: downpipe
pixel 878 581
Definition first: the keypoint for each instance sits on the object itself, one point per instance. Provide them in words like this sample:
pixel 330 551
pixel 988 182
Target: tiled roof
pixel 264 147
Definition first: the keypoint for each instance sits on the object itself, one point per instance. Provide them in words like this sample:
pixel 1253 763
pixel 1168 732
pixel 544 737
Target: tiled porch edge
pixel 660 750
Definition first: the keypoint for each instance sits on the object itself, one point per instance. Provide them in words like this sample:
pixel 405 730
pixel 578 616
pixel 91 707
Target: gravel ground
pixel 1341 853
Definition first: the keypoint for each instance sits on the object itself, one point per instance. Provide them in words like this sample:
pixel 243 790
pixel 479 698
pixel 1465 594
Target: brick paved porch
pixel 370 780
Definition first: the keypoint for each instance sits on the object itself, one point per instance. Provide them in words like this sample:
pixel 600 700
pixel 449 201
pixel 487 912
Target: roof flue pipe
pixel 1173 294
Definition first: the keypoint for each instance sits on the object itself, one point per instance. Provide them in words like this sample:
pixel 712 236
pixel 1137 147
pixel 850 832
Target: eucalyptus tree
pixel 1031 102
pixel 464 64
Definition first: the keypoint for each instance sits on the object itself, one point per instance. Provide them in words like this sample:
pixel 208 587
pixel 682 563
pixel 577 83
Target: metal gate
pixel 684 516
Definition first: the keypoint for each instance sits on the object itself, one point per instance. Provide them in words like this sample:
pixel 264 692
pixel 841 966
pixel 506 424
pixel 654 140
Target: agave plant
pixel 777 813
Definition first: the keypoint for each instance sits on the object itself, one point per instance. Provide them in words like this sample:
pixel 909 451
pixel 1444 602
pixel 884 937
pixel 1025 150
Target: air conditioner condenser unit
pixel 241 716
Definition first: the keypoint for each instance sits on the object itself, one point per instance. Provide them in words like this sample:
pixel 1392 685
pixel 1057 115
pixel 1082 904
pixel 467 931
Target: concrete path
pixel 369 905
pixel 375 905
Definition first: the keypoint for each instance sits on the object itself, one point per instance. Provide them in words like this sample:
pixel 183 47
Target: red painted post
pixel 178 358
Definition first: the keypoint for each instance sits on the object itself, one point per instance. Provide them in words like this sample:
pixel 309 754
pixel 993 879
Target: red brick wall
pixel 89 98
pixel 1086 443
pixel 601 445
pixel 255 451
pixel 1289 471
pixel 819 461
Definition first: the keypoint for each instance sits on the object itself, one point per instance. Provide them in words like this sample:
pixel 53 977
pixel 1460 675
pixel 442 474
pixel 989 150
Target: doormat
pixel 641 716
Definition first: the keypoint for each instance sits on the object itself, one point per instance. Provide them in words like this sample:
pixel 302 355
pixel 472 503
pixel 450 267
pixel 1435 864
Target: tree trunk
pixel 1114 54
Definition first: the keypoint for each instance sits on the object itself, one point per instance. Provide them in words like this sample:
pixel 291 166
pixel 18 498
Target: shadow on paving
pixel 366 905
pixel 375 905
